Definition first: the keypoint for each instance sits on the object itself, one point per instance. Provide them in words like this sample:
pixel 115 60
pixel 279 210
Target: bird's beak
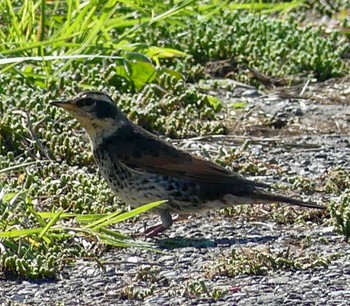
pixel 66 104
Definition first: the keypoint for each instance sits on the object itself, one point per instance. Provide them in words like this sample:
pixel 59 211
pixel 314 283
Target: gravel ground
pixel 184 272
pixel 177 271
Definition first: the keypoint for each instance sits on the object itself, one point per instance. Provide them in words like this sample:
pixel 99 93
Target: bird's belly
pixel 132 187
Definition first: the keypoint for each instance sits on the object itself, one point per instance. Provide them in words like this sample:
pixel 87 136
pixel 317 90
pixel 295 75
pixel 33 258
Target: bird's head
pixel 95 111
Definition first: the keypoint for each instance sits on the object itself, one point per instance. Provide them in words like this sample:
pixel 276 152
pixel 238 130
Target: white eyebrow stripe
pixel 96 96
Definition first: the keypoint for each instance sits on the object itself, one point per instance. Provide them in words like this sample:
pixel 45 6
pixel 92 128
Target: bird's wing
pixel 141 150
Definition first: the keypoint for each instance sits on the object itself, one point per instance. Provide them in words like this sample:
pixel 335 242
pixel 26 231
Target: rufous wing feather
pixel 141 150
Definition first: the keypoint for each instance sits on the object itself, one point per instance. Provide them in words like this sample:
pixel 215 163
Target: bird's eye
pixel 85 102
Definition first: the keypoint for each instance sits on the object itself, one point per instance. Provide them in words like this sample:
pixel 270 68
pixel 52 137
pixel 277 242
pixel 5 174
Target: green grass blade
pixel 172 11
pixel 5 61
pixel 21 232
pixel 22 165
pixel 130 214
pixel 53 221
pixel 103 219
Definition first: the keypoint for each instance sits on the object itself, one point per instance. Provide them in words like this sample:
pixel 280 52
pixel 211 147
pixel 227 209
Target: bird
pixel 141 168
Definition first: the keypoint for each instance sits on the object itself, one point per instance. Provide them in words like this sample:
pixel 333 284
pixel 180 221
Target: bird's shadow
pixel 180 242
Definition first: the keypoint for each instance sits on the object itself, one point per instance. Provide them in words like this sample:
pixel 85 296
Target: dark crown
pixel 100 104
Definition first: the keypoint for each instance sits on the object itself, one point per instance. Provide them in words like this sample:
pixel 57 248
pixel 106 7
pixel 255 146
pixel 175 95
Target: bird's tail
pixel 270 197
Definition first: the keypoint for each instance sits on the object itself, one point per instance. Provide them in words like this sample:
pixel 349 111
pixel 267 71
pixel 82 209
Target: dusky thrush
pixel 141 168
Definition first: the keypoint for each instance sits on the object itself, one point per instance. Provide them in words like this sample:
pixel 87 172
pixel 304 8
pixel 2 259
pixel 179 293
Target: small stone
pixel 134 259
pixel 279 280
pixel 250 93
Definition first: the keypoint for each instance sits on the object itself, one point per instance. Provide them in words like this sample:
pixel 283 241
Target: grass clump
pixel 274 47
pixel 337 181
pixel 30 255
pixel 173 110
pixel 263 262
pixel 37 244
pixel 331 8
pixel 136 36
pixel 340 213
pixel 198 289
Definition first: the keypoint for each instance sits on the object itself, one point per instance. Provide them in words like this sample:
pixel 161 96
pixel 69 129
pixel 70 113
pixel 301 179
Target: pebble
pixel 250 93
pixel 278 280
pixel 169 274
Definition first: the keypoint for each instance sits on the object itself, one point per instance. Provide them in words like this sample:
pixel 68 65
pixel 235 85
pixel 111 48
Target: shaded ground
pixel 296 136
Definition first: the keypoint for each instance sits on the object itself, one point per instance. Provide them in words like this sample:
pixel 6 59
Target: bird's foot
pixel 150 232
pixel 154 230
pixel 159 228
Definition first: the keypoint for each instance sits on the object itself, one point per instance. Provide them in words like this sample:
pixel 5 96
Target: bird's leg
pixel 167 222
